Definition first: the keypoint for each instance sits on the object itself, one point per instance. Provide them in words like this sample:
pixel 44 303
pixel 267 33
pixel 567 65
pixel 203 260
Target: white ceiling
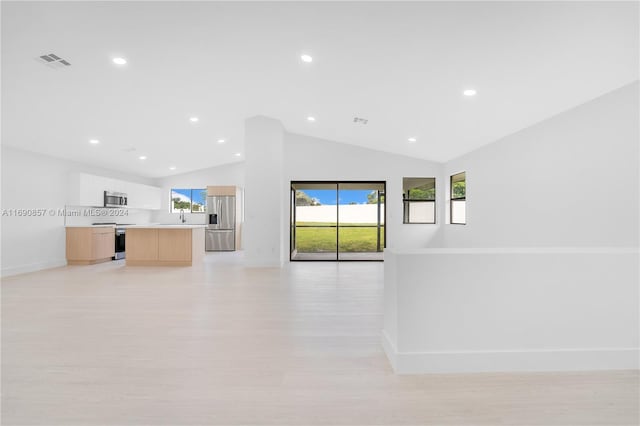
pixel 403 66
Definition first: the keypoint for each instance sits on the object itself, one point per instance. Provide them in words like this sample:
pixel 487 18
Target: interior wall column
pixel 264 199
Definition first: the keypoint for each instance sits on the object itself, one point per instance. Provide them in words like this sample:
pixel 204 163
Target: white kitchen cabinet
pixel 143 196
pixel 134 196
pixel 88 190
pixel 116 185
pixel 154 197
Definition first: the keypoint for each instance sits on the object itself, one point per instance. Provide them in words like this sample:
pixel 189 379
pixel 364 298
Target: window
pixel 188 200
pixel 419 199
pixel 459 199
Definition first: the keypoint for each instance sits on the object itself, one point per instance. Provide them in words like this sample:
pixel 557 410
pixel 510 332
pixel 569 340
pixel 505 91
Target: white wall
pixel 265 193
pixel 571 180
pixel 308 158
pixel 546 273
pixel 229 174
pixel 518 309
pixel 34 181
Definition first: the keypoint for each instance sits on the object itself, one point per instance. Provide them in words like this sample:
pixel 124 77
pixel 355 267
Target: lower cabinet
pixel 141 245
pixel 88 245
pixel 102 245
pixel 174 244
pixel 169 247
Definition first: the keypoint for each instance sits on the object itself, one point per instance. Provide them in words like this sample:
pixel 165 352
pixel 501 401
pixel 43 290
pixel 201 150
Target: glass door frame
pixel 292 222
pixel 292 218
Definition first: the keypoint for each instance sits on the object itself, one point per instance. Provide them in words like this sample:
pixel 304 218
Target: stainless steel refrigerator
pixel 221 225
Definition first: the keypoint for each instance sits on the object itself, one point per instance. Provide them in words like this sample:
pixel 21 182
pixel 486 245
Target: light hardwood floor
pixel 220 344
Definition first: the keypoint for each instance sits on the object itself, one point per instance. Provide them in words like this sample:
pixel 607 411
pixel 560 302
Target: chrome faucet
pixel 182 218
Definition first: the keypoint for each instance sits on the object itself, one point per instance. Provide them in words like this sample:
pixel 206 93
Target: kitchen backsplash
pixel 82 215
pixel 159 216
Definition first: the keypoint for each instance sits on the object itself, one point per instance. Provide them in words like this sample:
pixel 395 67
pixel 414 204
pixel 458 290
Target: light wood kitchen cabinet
pixel 218 191
pixel 161 246
pixel 142 244
pixel 89 245
pixel 102 245
pixel 174 244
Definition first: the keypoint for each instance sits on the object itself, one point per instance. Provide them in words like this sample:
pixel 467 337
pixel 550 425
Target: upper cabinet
pixel 88 190
pixel 217 191
pixel 88 194
pixel 143 196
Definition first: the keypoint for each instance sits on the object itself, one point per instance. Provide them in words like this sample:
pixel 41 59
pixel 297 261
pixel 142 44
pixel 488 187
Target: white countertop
pixel 165 226
pixel 90 226
pixel 148 225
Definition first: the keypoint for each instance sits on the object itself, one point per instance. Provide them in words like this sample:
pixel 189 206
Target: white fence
pixel 349 213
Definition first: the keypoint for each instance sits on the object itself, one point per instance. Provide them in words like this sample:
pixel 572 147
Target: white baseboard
pixel 510 361
pixel 390 350
pixel 32 267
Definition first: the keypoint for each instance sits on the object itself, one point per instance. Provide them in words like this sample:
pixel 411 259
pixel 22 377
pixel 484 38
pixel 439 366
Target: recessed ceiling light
pixel 412 140
pixel 194 119
pixel 94 141
pixel 221 141
pixel 172 168
pixel 143 157
pixel 237 154
pixel 119 61
pixel 469 92
pixel 310 118
pixel 306 58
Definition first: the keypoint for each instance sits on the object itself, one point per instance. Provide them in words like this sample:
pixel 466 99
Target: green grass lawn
pixel 322 238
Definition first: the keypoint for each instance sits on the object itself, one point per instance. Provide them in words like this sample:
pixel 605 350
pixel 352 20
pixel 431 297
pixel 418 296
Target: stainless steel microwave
pixel 115 199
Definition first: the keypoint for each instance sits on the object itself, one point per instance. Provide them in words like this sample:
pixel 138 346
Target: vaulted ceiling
pixel 401 66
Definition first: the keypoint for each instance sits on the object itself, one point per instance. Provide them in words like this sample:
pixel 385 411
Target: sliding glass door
pixel 360 220
pixel 337 220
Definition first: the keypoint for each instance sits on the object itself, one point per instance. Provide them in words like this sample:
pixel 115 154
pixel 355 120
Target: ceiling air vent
pixel 359 120
pixel 54 61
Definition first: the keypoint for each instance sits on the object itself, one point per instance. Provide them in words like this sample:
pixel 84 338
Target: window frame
pixel 406 202
pixel 191 192
pixel 452 198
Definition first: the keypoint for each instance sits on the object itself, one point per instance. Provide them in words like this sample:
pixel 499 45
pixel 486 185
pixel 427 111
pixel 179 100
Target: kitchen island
pixel 164 245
